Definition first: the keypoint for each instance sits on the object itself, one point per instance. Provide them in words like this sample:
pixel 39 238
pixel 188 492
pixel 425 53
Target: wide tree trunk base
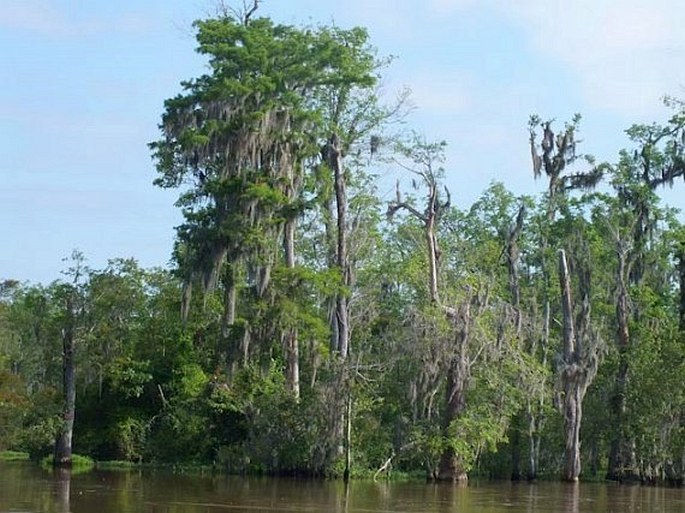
pixel 450 469
pixel 624 477
pixel 461 477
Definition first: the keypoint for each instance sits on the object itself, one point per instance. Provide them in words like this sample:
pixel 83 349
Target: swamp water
pixel 27 488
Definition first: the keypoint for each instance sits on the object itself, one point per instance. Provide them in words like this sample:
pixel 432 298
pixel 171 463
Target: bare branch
pixel 393 208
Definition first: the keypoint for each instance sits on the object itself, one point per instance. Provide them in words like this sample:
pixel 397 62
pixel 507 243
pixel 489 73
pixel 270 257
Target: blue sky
pixel 84 83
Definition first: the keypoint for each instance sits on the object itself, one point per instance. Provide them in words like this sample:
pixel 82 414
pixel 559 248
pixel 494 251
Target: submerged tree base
pixel 76 462
pixel 451 469
pixel 461 477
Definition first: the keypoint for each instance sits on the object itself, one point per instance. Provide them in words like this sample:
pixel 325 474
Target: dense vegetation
pixel 310 327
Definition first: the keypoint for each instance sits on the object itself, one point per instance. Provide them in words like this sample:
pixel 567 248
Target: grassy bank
pixel 13 456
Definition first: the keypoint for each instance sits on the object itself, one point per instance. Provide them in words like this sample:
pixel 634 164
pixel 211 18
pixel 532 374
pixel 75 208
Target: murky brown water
pixel 26 488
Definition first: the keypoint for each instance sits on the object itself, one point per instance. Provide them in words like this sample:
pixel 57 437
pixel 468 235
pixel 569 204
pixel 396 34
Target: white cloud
pixel 385 17
pixel 625 53
pixel 34 16
pixel 440 92
pixel 450 6
pixel 42 17
pixel 623 56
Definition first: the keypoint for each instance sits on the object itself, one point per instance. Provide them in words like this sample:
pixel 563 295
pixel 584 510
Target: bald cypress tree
pixel 237 140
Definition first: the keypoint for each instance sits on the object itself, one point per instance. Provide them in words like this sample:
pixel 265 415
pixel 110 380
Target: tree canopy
pixel 310 325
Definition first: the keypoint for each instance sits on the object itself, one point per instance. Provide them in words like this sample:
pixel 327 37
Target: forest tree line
pixel 310 327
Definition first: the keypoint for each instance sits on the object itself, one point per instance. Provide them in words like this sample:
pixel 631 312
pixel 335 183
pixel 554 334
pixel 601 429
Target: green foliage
pixel 38 438
pixel 13 456
pixel 130 436
pixel 192 366
pixel 264 429
pixel 41 423
pixel 14 401
pixel 130 376
pixel 79 463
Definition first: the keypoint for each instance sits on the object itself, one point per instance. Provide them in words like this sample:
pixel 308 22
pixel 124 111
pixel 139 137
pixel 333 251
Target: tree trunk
pixel 232 345
pixel 342 260
pixel 573 414
pixel 330 233
pixel 681 324
pixel 513 260
pixel 534 430
pixel 341 316
pixel 293 363
pixel 451 467
pixel 622 461
pixel 432 244
pixel 291 340
pixel 515 445
pixel 348 436
pixel 681 274
pixel 230 297
pixel 186 297
pixel 580 360
pixel 536 405
pixel 63 444
pixel 570 378
pixel 567 309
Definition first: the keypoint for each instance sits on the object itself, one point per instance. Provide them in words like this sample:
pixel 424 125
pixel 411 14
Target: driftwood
pixel 385 466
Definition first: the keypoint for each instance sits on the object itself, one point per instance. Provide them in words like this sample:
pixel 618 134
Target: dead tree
pixel 554 155
pixel 341 311
pixel 513 259
pixel 426 156
pixel 63 445
pixel 681 282
pixel 580 360
pixel 622 458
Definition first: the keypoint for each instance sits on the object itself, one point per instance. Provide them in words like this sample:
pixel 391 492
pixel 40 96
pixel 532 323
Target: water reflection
pixel 571 497
pixel 63 482
pixel 27 488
